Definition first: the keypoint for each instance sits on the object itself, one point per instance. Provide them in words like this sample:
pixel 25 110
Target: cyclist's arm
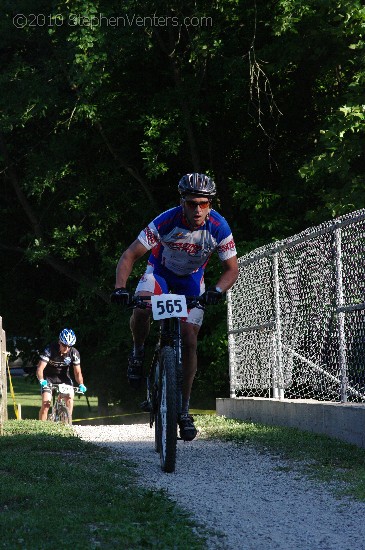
pixel 78 374
pixel 126 262
pixel 229 275
pixel 40 368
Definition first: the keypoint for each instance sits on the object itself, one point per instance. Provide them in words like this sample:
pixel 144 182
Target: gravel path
pixel 247 500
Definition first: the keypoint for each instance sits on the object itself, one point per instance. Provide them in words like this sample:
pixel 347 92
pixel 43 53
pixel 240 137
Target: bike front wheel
pixel 63 415
pixel 167 410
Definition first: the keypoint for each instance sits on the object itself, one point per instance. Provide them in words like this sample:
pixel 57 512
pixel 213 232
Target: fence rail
pixel 296 316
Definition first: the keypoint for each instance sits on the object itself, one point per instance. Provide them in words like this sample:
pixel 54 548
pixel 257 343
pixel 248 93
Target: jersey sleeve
pixel 45 355
pixel 149 236
pixel 226 247
pixel 75 357
pixel 153 234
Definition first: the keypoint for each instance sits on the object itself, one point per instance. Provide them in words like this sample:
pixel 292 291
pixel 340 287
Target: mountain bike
pixel 59 412
pixel 164 381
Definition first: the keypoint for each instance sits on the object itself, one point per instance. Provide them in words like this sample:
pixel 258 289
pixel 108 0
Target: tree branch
pixel 189 127
pixel 126 167
pixel 19 192
pixel 63 268
pixel 60 266
pixel 121 162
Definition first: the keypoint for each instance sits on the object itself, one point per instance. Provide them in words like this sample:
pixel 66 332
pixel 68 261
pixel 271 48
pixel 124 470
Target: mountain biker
pixel 181 241
pixel 54 367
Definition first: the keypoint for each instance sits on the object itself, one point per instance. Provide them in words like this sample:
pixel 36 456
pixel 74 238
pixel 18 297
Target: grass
pixel 28 395
pixel 57 490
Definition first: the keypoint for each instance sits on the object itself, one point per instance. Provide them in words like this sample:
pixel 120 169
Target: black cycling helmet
pixel 197 184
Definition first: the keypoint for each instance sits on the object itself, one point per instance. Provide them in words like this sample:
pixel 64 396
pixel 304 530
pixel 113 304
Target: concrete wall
pixel 343 421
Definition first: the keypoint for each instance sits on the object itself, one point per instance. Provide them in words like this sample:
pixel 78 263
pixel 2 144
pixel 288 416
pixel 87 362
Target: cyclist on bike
pixel 54 368
pixel 181 241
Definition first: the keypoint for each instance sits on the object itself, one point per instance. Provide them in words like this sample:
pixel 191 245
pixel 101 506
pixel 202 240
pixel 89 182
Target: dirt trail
pixel 247 500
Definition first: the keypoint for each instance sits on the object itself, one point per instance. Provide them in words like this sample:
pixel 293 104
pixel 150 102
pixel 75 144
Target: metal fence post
pixel 278 389
pixel 231 347
pixel 341 316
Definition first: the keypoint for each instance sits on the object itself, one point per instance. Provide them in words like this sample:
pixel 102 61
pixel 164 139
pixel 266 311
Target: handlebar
pixel 143 302
pixel 56 388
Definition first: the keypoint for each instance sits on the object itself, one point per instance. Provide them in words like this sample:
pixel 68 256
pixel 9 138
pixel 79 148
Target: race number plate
pixel 168 305
pixel 66 389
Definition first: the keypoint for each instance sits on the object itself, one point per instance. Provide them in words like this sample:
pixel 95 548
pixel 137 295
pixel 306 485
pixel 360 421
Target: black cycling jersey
pixel 58 366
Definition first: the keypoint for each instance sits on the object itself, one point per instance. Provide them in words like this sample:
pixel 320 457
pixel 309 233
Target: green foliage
pixel 332 168
pixel 107 511
pixel 99 120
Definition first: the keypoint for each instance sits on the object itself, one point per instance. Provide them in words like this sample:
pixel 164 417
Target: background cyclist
pixel 54 367
pixel 181 241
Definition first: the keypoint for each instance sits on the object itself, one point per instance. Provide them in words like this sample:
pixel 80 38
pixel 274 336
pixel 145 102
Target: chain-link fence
pixel 296 316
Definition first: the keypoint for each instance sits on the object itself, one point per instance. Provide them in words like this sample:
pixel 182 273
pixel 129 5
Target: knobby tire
pixel 167 414
pixel 157 442
pixel 155 404
pixel 63 415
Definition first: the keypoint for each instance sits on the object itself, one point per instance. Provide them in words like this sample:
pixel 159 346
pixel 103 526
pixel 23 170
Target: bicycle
pixel 59 412
pixel 164 381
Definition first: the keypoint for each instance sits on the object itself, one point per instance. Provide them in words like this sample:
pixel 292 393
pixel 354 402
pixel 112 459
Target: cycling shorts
pixel 159 280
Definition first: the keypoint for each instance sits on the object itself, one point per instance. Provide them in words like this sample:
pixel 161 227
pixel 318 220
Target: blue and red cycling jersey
pixel 180 255
pixel 183 251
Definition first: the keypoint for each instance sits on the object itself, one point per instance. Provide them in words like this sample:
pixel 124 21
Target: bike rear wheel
pixel 167 410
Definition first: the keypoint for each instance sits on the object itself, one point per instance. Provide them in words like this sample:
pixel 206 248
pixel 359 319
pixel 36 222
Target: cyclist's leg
pixel 46 402
pixel 189 336
pixel 140 325
pixel 69 400
pixel 190 286
pixel 149 284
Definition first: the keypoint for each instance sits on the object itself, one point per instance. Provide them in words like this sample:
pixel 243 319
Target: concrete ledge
pixel 343 421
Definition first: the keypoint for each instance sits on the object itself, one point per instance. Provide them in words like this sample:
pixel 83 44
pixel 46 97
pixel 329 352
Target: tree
pixel 103 110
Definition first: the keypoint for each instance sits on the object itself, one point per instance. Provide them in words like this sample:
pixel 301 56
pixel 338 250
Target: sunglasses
pixel 192 204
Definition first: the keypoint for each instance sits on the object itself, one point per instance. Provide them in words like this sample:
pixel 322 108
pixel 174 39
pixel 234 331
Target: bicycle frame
pixel 59 411
pixel 164 386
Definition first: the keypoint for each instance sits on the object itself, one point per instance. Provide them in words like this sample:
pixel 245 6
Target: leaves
pixel 101 116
